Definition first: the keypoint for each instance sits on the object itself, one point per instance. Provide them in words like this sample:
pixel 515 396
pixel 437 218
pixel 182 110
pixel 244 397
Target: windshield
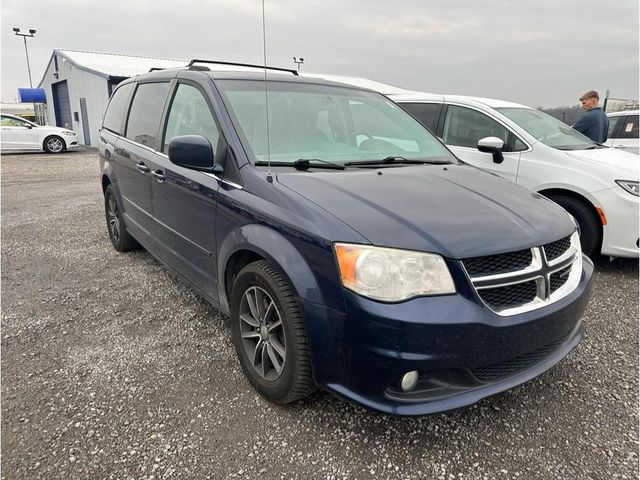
pixel 334 124
pixel 547 129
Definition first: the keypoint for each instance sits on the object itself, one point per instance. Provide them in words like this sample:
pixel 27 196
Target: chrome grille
pixel 558 279
pixel 521 281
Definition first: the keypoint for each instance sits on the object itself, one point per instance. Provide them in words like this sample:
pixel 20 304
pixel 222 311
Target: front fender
pixel 276 249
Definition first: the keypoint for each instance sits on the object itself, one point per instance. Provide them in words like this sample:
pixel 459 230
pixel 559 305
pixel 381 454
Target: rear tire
pixel 269 335
pixel 589 225
pixel 53 144
pixel 120 238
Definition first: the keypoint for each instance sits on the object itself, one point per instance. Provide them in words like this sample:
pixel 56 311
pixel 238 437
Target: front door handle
pixel 142 167
pixel 159 175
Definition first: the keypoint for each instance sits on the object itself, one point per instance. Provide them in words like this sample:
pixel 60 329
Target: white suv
pixel 623 131
pixel 596 184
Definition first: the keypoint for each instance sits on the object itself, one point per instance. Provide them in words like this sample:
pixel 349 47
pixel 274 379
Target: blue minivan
pixel 351 249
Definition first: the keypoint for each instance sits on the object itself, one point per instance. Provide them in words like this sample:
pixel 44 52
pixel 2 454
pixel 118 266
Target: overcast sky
pixel 542 53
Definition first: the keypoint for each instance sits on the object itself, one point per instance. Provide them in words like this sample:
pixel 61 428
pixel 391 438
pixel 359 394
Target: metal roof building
pixel 78 86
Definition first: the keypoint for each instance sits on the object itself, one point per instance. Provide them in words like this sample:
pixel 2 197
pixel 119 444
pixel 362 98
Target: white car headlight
pixel 392 275
pixel 71 134
pixel 630 186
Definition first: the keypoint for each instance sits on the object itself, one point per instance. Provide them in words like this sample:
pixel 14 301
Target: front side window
pixel 426 113
pixel 146 109
pixel 464 127
pixel 13 122
pixel 190 115
pixel 117 109
pixel 315 121
pixel 548 130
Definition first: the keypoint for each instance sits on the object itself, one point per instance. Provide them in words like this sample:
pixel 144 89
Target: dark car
pixel 350 248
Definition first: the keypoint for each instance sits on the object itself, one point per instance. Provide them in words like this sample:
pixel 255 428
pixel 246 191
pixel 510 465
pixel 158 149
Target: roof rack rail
pixel 153 69
pixel 192 62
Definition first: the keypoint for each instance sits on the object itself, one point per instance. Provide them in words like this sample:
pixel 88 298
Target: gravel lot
pixel 111 368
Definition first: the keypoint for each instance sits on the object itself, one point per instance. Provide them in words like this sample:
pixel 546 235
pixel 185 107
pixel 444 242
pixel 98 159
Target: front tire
pixel 121 239
pixel 590 230
pixel 54 144
pixel 269 335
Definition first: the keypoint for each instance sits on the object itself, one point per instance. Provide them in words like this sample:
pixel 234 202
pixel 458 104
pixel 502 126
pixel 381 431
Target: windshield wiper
pixel 571 148
pixel 304 164
pixel 398 161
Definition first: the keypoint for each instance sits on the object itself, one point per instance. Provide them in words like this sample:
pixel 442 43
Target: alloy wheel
pixel 114 221
pixel 262 332
pixel 54 145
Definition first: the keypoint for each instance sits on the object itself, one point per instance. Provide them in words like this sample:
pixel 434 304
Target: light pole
pixel 298 61
pixel 31 33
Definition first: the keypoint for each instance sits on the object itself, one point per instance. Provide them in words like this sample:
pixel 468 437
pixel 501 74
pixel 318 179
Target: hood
pixel 455 210
pixel 614 164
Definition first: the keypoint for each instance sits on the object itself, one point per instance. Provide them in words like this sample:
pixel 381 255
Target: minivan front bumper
pixel 462 351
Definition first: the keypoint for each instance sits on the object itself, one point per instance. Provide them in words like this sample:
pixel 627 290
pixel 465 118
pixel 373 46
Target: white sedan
pixel 20 135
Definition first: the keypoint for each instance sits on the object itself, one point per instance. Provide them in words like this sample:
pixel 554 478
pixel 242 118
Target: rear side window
pixel 463 127
pixel 146 109
pixel 629 127
pixel 117 109
pixel 426 113
pixel 190 115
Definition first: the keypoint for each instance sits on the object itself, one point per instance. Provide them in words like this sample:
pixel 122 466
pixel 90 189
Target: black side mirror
pixel 192 151
pixel 27 125
pixel 492 145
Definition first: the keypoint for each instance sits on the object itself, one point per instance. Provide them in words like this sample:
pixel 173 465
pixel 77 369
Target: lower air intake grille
pixel 498 371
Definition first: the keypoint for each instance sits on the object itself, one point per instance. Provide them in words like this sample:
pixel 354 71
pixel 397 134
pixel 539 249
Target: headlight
pixel 630 186
pixel 71 134
pixel 392 275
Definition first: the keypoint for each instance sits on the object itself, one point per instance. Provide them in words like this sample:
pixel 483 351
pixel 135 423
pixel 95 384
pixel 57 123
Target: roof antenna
pixel 266 96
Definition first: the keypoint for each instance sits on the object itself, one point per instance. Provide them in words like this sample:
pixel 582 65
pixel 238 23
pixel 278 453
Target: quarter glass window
pixel 426 113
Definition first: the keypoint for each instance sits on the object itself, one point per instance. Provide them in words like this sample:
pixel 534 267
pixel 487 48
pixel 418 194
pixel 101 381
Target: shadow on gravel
pixel 622 265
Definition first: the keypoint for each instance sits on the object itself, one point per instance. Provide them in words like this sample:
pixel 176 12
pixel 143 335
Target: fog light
pixel 409 381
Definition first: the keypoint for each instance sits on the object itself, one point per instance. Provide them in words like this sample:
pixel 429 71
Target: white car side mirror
pixel 492 145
